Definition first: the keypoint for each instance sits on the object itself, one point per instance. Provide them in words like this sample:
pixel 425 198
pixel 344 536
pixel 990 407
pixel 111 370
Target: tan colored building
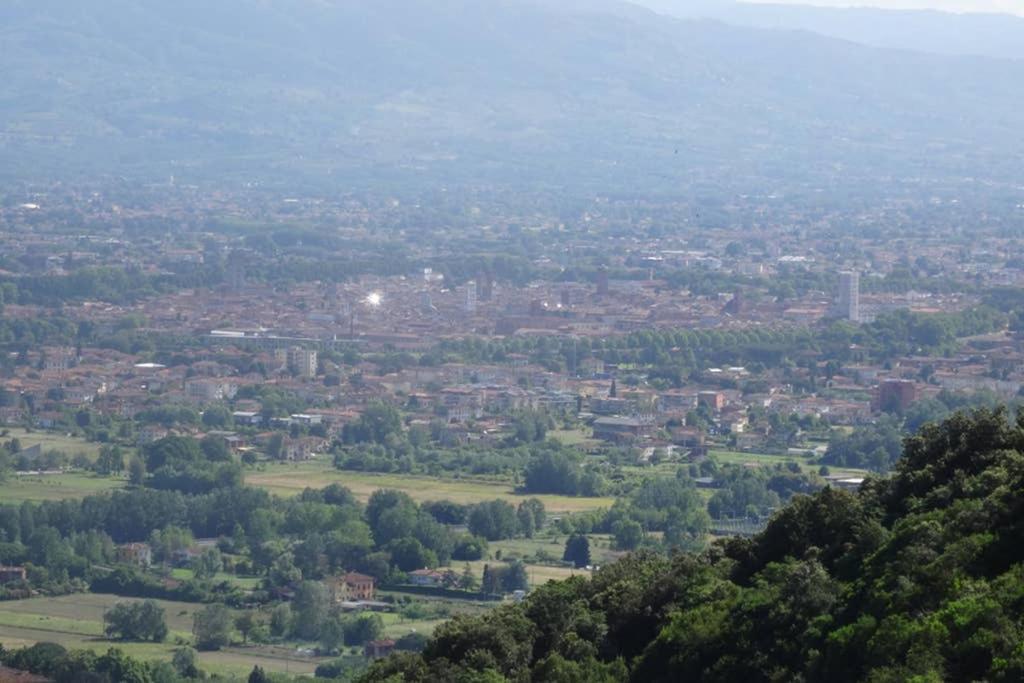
pixel 138 554
pixel 352 586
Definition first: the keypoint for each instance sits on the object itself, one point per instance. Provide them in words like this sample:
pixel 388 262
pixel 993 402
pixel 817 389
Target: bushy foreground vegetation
pixel 915 578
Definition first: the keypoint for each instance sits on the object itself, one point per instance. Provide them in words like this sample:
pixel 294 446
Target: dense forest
pixel 918 577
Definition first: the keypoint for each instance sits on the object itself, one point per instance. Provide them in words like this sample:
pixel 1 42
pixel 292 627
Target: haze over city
pixel 511 341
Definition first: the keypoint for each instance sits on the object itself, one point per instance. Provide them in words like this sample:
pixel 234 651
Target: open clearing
pixel 76 621
pixel 244 582
pixel 51 441
pixel 63 486
pixel 291 479
pixel 766 460
pixel 574 437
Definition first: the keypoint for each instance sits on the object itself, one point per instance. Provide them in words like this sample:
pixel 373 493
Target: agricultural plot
pixel 528 549
pixel 396 629
pixel 246 583
pixel 76 622
pixel 767 460
pixel 574 437
pixel 50 441
pixel 63 486
pixel 291 479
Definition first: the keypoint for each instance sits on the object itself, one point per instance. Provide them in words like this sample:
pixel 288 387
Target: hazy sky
pixel 1009 6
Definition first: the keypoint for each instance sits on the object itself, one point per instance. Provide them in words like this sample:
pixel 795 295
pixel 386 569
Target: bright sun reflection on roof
pixel 374 299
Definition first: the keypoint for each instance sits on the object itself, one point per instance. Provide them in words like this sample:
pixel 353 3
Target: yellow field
pixel 291 479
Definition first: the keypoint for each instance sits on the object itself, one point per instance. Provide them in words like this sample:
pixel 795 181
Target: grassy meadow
pixel 288 479
pixel 63 486
pixel 76 622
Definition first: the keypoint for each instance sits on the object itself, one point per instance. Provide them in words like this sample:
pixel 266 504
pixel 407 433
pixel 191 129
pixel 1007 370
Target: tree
pixel 184 662
pixel 492 580
pixel 412 642
pixel 310 609
pixel 167 542
pixel 577 551
pixel 207 564
pixel 553 472
pixel 332 635
pixel 530 427
pixel 378 422
pixel 281 621
pixel 258 676
pixel 363 628
pixel 628 534
pixel 136 471
pixel 917 576
pixel 875 447
pixel 212 627
pixel 446 512
pixel 110 461
pixel 408 554
pixel 516 578
pixel 142 621
pixel 469 548
pixel 526 523
pixel 245 624
pixel 536 508
pixel 172 451
pixel 215 449
pixel 494 520
pixel 468 581
pixel 275 447
pixel 218 417
pixel 115 665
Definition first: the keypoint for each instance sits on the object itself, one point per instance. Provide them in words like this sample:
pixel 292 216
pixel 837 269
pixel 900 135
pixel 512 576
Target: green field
pixel 539 574
pixel 247 583
pixel 49 441
pixel 554 545
pixel 396 626
pixel 574 437
pixel 63 486
pixel 76 621
pixel 764 459
pixel 291 478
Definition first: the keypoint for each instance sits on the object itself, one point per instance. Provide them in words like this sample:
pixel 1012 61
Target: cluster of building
pixel 230 343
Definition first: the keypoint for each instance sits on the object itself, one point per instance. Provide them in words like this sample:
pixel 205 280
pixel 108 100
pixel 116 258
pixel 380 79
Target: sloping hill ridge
pixel 915 578
pixel 999 36
pixel 504 91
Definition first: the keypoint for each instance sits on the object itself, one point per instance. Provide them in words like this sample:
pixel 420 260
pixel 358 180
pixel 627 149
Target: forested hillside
pixel 914 578
pixel 520 93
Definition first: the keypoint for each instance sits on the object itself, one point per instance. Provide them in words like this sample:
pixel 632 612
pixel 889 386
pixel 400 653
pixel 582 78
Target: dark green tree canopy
pixel 916 577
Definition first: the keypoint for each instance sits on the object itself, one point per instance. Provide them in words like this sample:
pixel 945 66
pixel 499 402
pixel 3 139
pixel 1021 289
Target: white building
pixel 206 390
pixel 303 362
pixel 471 297
pixel 849 295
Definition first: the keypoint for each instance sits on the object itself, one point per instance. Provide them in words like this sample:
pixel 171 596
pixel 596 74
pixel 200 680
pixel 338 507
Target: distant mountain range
pixel 984 35
pixel 590 95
